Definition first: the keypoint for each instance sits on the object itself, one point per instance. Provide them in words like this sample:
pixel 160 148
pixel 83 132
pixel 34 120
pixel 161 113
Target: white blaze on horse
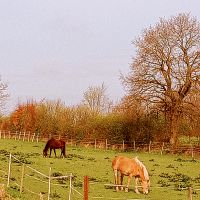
pixel 131 168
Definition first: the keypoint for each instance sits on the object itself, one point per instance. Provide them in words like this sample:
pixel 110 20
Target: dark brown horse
pixel 54 144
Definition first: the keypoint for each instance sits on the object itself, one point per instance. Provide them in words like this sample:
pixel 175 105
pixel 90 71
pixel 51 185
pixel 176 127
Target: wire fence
pixel 20 174
pixel 46 179
pixel 188 192
pixel 192 150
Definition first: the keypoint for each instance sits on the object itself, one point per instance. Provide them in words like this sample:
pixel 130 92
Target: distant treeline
pixel 121 122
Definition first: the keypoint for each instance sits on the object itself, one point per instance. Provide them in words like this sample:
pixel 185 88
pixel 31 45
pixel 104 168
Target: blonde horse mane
pixel 144 169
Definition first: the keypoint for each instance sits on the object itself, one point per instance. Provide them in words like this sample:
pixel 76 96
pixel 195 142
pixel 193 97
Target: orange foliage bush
pixel 24 117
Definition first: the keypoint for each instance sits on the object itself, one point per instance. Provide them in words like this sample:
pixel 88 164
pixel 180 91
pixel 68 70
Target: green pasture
pixel 170 175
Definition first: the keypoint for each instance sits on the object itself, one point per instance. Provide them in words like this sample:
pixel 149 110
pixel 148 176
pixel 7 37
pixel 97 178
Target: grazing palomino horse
pixel 131 168
pixel 54 144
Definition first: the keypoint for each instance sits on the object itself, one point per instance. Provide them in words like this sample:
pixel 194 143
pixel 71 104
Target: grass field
pixel 169 174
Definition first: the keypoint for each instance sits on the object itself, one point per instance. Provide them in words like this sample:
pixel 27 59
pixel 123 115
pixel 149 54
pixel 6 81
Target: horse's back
pixel 55 144
pixel 62 142
pixel 124 165
pixel 121 160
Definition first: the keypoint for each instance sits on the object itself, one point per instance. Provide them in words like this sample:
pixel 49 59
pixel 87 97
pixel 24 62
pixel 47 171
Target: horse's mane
pixel 144 170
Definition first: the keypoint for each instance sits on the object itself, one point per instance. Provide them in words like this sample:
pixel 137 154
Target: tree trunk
pixel 174 127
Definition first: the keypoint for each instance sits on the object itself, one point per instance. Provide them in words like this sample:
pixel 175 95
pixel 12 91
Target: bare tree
pixel 3 94
pixel 97 100
pixel 166 67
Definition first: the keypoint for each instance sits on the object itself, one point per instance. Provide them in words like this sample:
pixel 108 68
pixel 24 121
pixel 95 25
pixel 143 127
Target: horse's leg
pixel 50 152
pixel 54 152
pixel 121 181
pixel 64 151
pixel 128 183
pixel 116 179
pixel 61 152
pixel 136 185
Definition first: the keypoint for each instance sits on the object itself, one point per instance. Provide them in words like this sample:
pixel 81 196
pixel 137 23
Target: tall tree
pixel 3 94
pixel 97 100
pixel 166 67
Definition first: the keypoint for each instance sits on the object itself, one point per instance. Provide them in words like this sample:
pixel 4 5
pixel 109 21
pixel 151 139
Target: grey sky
pixel 56 49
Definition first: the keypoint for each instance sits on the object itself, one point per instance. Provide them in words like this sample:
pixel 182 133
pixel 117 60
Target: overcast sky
pixel 56 49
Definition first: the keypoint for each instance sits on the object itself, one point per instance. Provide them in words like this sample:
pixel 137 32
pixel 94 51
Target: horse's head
pixel 44 153
pixel 145 186
pixel 144 175
pixel 145 180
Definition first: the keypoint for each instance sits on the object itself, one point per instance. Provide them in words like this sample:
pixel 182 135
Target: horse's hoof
pixel 126 190
pixel 137 192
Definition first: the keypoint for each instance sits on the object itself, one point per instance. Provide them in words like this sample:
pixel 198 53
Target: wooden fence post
pixel 70 186
pixel 150 147
pixel 16 135
pixel 106 144
pixel 134 145
pixel 189 193
pixel 29 133
pixel 95 143
pixel 9 170
pixel 86 187
pixel 49 186
pixel 24 136
pixel 33 137
pixel 123 145
pixel 71 142
pixel 162 148
pixel 192 152
pixel 22 179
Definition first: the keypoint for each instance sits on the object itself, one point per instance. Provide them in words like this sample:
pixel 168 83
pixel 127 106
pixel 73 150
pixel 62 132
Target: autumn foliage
pixel 24 117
